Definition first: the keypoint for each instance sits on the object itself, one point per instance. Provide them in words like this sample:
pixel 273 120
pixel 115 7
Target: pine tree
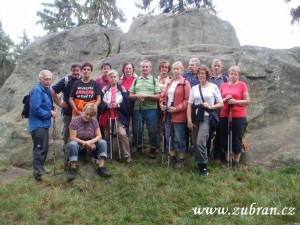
pixel 171 6
pixel 58 17
pixel 295 13
pixel 19 48
pixel 64 14
pixel 6 42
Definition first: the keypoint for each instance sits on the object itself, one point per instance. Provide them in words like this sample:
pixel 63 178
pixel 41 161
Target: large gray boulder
pixel 272 75
pixel 170 32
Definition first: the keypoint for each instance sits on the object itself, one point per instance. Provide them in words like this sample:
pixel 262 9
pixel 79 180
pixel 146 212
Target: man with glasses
pixel 39 120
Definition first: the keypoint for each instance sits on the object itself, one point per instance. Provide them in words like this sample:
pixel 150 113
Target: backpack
pixel 26 106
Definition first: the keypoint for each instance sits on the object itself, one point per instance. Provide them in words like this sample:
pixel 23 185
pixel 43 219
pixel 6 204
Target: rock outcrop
pixel 7 66
pixel 272 75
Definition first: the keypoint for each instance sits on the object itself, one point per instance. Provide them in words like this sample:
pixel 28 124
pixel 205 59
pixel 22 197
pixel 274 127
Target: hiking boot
pixel 235 165
pixel 128 159
pixel 202 169
pixel 152 153
pixel 38 177
pixel 71 174
pixel 179 164
pixel 102 172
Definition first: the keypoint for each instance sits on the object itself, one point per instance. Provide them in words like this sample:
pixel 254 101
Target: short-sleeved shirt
pixel 85 130
pixel 59 87
pixel 85 91
pixel 237 91
pixel 211 94
pixel 148 86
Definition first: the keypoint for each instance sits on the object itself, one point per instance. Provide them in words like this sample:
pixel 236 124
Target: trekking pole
pixel 110 138
pixel 163 144
pixel 54 147
pixel 117 134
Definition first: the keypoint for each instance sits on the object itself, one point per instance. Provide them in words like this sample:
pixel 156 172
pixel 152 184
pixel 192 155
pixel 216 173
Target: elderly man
pixel 146 92
pixel 85 135
pixel 218 79
pixel 191 74
pixel 39 120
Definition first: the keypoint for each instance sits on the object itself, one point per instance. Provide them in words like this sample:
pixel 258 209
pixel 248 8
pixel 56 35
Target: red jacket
pixel 181 97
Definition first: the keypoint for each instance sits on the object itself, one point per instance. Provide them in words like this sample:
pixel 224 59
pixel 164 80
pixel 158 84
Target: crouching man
pixel 85 134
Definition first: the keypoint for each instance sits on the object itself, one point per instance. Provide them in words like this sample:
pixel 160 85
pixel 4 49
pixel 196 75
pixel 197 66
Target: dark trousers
pixel 40 138
pixel 217 143
pixel 238 129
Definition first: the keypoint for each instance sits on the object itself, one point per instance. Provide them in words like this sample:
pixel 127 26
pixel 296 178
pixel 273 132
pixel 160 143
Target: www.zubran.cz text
pixel 252 210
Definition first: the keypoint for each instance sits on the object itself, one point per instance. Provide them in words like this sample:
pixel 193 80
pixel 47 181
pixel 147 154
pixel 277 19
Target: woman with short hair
pixel 236 98
pixel 85 136
pixel 174 103
pixel 115 106
pixel 200 127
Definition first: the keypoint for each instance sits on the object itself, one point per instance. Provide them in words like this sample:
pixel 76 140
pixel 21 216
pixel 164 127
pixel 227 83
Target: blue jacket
pixel 40 108
pixel 191 77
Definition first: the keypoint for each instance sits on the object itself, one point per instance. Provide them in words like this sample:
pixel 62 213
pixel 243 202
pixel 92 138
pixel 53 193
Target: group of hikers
pixel 174 105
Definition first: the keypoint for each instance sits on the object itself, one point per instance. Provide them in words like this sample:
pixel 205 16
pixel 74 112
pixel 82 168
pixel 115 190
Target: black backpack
pixel 26 106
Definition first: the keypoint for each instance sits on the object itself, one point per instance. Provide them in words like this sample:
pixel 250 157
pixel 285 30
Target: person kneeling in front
pixel 85 134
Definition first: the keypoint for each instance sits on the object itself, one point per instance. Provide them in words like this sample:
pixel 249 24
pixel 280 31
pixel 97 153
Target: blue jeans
pixel 74 148
pixel 200 137
pixel 65 129
pixel 40 138
pixel 149 116
pixel 176 130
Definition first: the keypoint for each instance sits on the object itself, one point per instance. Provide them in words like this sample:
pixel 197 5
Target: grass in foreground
pixel 146 193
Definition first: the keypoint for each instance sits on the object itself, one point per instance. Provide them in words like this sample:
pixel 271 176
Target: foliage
pixel 10 48
pixel 19 48
pixel 295 13
pixel 146 193
pixel 58 19
pixel 171 6
pixel 65 14
pixel 6 42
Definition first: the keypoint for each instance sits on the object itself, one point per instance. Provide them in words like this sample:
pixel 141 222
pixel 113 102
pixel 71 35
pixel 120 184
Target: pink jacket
pixel 181 97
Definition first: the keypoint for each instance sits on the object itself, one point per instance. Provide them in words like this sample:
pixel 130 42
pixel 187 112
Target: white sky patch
pixel 263 23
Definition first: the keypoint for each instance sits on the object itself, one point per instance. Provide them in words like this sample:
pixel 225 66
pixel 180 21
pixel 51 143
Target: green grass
pixel 146 193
